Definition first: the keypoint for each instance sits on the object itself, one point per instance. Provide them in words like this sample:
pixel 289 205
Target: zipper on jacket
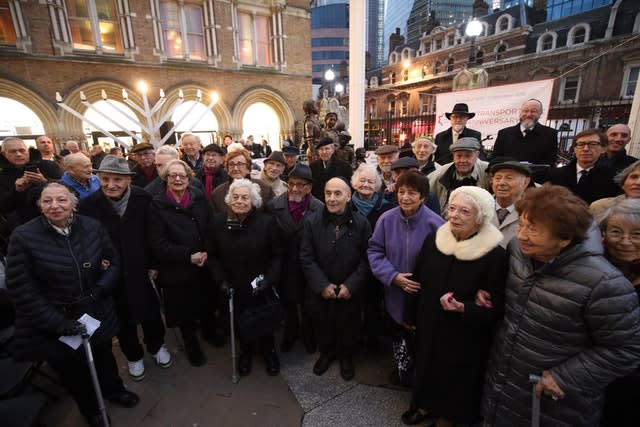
pixel 75 261
pixel 337 230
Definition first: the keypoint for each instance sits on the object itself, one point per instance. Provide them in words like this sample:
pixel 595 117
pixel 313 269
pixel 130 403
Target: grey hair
pixel 622 176
pixel 72 194
pixel 10 139
pixel 365 167
pixel 72 142
pixel 254 190
pixel 167 150
pixel 186 134
pixel 628 210
pixel 425 139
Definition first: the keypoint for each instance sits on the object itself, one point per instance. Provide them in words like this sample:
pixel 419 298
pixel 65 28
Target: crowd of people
pixel 480 270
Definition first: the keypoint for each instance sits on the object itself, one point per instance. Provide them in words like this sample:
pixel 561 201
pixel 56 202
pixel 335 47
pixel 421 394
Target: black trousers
pixel 336 324
pixel 153 330
pixel 75 377
pixel 297 321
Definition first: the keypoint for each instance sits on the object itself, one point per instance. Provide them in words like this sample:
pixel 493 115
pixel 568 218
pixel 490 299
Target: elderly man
pixel 70 147
pixel 45 147
pixel 289 211
pixel 78 174
pixel 212 173
pixel 145 169
pixel 466 169
pixel 458 117
pixel 509 181
pixel 529 140
pixel 20 183
pixel 333 253
pixel 291 154
pixel 191 147
pixel 423 148
pixel 615 156
pixel 163 155
pixel 582 175
pixel 385 156
pixel 97 154
pixel 270 174
pixel 327 166
pixel 122 209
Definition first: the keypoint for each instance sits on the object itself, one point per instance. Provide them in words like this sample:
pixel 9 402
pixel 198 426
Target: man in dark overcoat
pixel 333 253
pixel 289 210
pixel 327 166
pixel 122 209
pixel 458 117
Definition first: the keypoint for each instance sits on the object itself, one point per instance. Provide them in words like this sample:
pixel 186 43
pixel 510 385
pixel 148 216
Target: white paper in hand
pixel 76 340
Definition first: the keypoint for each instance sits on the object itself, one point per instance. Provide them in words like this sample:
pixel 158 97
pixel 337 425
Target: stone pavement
pixel 204 396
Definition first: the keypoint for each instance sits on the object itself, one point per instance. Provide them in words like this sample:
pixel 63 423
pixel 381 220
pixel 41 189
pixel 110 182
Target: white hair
pixel 366 167
pixel 167 150
pixel 235 146
pixel 254 191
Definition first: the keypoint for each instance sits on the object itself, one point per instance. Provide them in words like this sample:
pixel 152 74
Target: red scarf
pixel 148 172
pixel 183 202
pixel 297 210
pixel 209 175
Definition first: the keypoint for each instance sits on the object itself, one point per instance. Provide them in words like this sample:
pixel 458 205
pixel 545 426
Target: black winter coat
pixel 292 282
pixel 576 316
pixel 49 277
pixel 321 174
pixel 336 253
pixel 597 185
pixel 129 235
pixel 174 234
pixel 240 254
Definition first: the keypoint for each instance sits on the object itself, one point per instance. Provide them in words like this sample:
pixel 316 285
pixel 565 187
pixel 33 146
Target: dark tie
pixel 502 214
pixel 583 175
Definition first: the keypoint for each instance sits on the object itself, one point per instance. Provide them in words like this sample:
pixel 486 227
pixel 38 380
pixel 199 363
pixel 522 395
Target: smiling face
pixel 298 189
pixel 386 160
pixel 273 169
pixel 618 136
pixel 508 185
pixel 212 159
pixel 325 152
pixel 409 200
pixel 423 151
pixel 114 185
pixel 631 185
pixel 238 166
pixel 530 113
pixel 365 185
pixel 80 169
pixel 336 195
pixel 56 204
pixel 462 215
pixel 190 146
pixel 464 161
pixel 177 179
pixel 241 201
pixel 537 241
pixel 622 239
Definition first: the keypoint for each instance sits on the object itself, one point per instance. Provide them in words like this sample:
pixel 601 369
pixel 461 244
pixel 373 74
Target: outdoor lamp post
pixel 339 88
pixel 329 76
pixel 473 30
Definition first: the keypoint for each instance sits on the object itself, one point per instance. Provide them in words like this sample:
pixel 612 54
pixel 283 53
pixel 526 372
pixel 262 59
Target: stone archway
pixel 272 99
pixel 42 108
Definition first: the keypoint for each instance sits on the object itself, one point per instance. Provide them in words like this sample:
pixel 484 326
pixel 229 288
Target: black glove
pixel 89 297
pixel 261 286
pixel 224 288
pixel 71 327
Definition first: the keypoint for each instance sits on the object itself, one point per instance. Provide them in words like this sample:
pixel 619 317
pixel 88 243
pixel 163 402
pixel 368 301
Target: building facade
pixel 253 53
pixel 329 39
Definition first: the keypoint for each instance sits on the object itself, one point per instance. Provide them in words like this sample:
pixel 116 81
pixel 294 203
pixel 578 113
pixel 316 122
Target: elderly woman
pixel 59 267
pixel 423 149
pixel 629 180
pixel 246 255
pixel 393 249
pixel 570 317
pixel 621 233
pixel 454 333
pixel 177 225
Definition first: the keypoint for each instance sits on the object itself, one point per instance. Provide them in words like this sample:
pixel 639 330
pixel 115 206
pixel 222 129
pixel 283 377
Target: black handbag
pixel 262 316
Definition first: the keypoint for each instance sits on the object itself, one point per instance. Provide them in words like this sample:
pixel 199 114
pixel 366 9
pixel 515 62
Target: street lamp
pixel 339 88
pixel 473 30
pixel 329 76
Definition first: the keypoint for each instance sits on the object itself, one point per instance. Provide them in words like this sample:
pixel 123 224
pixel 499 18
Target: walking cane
pixel 535 403
pixel 94 379
pixel 234 367
pixel 157 292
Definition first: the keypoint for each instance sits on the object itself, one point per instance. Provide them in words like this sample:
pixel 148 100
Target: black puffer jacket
pixel 49 277
pixel 576 316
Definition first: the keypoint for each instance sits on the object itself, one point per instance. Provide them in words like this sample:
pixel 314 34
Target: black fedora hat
pixel 301 171
pixel 460 109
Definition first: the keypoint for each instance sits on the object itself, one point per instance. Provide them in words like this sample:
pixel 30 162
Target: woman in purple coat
pixel 393 249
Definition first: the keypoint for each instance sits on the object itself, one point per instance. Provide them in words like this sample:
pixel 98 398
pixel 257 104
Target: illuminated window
pixel 183 38
pixel 94 25
pixel 630 81
pixel 254 39
pixel 7 31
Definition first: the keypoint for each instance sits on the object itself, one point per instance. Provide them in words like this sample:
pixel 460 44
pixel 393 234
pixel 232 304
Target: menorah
pixel 153 119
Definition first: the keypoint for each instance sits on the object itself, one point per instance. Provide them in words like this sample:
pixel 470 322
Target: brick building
pixel 251 52
pixel 593 56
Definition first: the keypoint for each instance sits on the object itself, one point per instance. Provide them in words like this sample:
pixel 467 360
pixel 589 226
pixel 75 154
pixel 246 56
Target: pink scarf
pixel 183 202
pixel 297 210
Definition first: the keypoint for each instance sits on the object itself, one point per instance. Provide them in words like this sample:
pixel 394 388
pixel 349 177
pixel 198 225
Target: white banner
pixel 496 107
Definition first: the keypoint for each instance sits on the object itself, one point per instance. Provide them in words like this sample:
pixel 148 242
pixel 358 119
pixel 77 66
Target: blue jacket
pixel 394 247
pixel 94 185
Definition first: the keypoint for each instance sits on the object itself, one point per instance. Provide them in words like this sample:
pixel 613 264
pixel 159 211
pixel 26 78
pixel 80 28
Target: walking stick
pixel 94 378
pixel 535 402
pixel 234 367
pixel 157 292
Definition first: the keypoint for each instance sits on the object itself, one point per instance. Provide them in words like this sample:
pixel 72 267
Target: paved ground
pixel 204 396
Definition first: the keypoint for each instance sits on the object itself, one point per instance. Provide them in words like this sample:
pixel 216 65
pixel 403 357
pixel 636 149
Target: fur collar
pixel 487 238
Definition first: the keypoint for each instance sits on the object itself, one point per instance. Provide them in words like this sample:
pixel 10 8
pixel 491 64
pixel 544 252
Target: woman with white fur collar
pixel 453 330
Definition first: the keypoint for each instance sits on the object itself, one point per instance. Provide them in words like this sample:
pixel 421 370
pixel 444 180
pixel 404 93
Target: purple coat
pixel 394 247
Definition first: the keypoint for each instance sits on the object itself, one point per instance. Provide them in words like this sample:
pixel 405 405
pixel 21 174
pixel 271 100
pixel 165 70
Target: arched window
pixel 373 82
pixel 479 57
pixel 405 75
pixel 578 34
pixel 500 52
pixel 547 42
pixel 393 58
pixel 503 24
pixel 425 71
pixel 449 65
pixel 392 77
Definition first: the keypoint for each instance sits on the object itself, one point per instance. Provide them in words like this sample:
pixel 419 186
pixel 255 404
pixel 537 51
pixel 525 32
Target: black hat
pixel 466 143
pixel 325 140
pixel 405 163
pixel 214 148
pixel 276 156
pixel 301 171
pixel 141 147
pixel 290 150
pixel 460 109
pixel 512 164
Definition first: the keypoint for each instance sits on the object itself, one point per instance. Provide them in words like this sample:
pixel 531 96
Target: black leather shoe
pixel 287 343
pixel 244 364
pixel 322 364
pixel 124 398
pixel 347 370
pixel 271 363
pixel 414 416
pixel 195 355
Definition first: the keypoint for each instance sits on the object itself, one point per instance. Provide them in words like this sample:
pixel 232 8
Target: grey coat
pixel 576 316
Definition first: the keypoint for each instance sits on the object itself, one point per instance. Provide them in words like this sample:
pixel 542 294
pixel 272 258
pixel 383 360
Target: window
pixel 405 75
pixel 183 38
pixel 569 87
pixel 579 36
pixel 392 77
pixel 438 44
pixel 630 81
pixel 7 31
pixel 479 57
pixel 427 103
pixel 425 71
pixel 436 67
pixel 373 82
pixel 451 41
pixel 254 39
pixel 449 64
pixel 503 24
pixel 404 107
pixel 500 52
pixel 546 42
pixel 94 25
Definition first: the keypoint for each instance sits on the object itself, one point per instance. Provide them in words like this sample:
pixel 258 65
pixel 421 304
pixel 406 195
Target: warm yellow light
pixel 142 87
pixel 406 63
pixel 214 97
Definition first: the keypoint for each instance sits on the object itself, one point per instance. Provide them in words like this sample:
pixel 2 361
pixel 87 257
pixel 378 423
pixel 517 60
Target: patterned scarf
pixel 297 209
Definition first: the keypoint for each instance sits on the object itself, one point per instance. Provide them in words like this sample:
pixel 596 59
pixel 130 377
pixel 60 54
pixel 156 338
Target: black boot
pixel 195 355
pixel 271 362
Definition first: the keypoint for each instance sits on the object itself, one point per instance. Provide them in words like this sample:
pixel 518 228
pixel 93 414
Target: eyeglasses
pixel 591 145
pixel 464 212
pixel 297 184
pixel 617 235
pixel 528 229
pixel 237 165
pixel 177 175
